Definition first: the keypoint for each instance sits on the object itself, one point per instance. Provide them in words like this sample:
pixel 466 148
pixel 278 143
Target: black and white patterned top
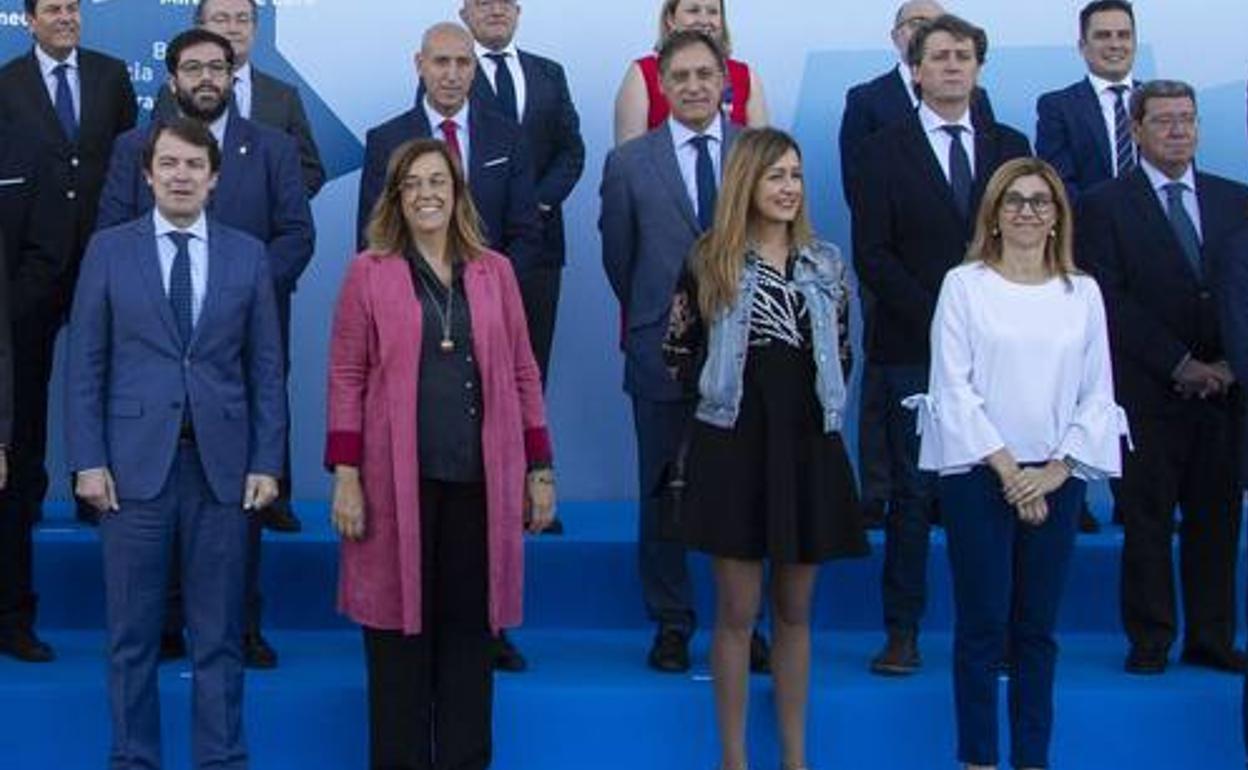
pixel 779 313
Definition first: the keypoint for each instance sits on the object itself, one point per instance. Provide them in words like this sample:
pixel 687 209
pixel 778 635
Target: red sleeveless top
pixel 736 91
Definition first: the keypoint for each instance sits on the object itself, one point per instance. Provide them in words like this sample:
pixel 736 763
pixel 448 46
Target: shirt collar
pixel 1100 85
pixel 681 134
pixel 933 122
pixel 198 229
pixel 435 118
pixel 510 50
pixel 218 128
pixel 47 63
pixel 243 74
pixel 1159 180
pixel 903 73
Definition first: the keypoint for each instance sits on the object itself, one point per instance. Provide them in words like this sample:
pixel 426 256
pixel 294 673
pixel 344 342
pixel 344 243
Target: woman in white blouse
pixel 1019 413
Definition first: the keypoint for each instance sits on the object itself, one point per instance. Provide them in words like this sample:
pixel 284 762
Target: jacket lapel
pixel 149 274
pixel 1153 219
pixel 37 93
pixel 921 157
pixel 663 159
pixel 218 266
pixel 263 100
pixel 236 153
pixel 90 88
pixel 1094 122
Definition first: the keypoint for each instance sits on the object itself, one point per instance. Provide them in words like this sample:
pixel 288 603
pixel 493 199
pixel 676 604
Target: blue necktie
pixel 960 178
pixel 1123 144
pixel 504 86
pixel 180 292
pixel 65 103
pixel 707 191
pixel 1182 224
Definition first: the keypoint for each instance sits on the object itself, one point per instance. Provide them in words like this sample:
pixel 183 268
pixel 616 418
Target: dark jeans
pixel 907 530
pixel 874 464
pixel 430 696
pixel 1008 580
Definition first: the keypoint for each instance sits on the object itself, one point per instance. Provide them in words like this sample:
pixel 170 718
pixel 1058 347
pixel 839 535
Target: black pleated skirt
pixel 774 486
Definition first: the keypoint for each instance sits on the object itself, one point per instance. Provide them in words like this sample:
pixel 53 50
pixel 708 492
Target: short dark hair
pixel 1158 89
pixel 1101 6
pixel 955 26
pixel 195 36
pixel 198 17
pixel 31 5
pixel 687 38
pixel 188 130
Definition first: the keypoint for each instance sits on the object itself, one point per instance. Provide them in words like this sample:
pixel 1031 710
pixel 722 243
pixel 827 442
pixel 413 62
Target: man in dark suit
pixel 658 196
pixel 260 192
pixel 490 146
pixel 175 414
pixel 1150 238
pixel 870 107
pixel 532 91
pixel 41 93
pixel 917 190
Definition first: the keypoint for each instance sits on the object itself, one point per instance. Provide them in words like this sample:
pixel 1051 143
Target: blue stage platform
pixel 588 700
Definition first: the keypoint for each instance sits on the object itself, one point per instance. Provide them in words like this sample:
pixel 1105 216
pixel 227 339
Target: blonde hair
pixel 1058 248
pixel 718 257
pixel 668 11
pixel 387 231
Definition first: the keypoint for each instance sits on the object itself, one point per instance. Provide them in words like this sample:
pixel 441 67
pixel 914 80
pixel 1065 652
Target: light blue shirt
pixel 198 248
pixel 46 66
pixel 1159 181
pixel 687 154
pixel 242 90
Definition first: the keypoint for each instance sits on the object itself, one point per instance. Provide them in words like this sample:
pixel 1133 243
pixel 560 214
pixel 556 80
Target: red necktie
pixel 451 137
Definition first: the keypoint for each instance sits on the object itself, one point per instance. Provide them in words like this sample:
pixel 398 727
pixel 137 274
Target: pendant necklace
pixel 447 345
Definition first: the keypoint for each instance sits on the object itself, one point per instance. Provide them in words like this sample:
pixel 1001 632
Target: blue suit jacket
pixel 260 191
pixel 552 134
pixel 648 226
pixel 129 382
pixel 500 178
pixel 1071 135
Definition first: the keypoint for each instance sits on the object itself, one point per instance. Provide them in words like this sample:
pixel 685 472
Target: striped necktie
pixel 1123 144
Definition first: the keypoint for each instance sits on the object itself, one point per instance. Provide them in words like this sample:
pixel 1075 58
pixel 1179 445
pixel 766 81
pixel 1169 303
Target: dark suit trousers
pixel 430 696
pixel 539 291
pixel 21 502
pixel 211 540
pixel 1191 461
pixel 665 584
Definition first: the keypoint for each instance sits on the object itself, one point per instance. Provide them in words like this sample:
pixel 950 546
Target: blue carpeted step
pixel 589 702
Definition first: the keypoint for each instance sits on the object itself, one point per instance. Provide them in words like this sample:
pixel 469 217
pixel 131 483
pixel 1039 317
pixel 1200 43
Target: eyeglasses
pixel 1013 203
pixel 1168 123
pixel 195 69
pixel 242 19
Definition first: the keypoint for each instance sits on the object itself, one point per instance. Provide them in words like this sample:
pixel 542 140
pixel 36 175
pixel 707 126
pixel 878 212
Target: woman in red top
pixel 640 104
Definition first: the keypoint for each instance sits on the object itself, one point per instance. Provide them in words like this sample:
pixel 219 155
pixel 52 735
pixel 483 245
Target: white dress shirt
pixel 198 249
pixel 1021 367
pixel 941 141
pixel 242 90
pixel 218 127
pixel 1190 202
pixel 490 70
pixel 687 154
pixel 1107 99
pixel 903 72
pixel 461 118
pixel 46 66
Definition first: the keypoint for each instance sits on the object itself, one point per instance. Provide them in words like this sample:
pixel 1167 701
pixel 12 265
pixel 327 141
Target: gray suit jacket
pixel 648 226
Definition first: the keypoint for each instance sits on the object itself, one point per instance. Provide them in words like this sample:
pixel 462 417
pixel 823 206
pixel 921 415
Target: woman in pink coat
pixel 441 458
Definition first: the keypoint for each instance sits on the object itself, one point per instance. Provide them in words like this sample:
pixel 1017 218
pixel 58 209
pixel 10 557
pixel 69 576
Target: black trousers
pixel 1191 461
pixel 430 696
pixel 539 290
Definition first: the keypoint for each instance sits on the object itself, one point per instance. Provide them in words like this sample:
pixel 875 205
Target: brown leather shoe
pixel 1146 659
pixel 25 645
pixel 257 653
pixel 900 656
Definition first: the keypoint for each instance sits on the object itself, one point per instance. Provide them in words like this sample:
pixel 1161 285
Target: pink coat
pixel 373 374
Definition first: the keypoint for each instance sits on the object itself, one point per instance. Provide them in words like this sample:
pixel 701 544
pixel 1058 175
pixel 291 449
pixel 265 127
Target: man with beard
pixel 261 192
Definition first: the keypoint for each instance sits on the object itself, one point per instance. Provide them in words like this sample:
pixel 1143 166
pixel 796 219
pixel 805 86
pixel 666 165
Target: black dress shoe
pixel 1088 524
pixel 555 528
pixel 1217 658
pixel 670 651
pixel 1146 659
pixel 280 517
pixel 172 646
pixel 23 644
pixel 900 656
pixel 257 653
pixel 760 653
pixel 507 657
pixel 873 512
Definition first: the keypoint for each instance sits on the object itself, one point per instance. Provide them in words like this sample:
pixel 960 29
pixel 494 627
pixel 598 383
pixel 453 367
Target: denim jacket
pixel 820 275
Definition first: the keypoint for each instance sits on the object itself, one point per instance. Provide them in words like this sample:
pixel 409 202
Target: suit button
pixel 73 161
pixel 71 194
pixel 1204 295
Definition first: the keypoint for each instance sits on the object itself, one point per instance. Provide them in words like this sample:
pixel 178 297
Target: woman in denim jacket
pixel 767 474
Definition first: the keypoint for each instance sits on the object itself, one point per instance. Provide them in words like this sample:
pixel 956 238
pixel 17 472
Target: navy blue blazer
pixel 130 384
pixel 500 178
pixel 1071 135
pixel 1159 309
pixel 35 246
pixel 648 226
pixel 907 230
pixel 552 133
pixel 881 102
pixel 260 191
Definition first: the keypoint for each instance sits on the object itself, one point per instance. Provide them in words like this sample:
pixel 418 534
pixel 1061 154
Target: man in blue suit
pixel 490 146
pixel 175 416
pixel 260 191
pixel 1151 238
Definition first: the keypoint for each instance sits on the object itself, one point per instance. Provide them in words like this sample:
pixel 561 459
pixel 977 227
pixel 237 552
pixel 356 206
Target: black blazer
pixel 907 231
pixel 881 102
pixel 1071 135
pixel 552 133
pixel 75 171
pixel 500 178
pixel 276 104
pixel 1159 309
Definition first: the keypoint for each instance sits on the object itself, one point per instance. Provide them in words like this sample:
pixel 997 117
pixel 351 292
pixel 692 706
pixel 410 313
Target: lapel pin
pixel 242 150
